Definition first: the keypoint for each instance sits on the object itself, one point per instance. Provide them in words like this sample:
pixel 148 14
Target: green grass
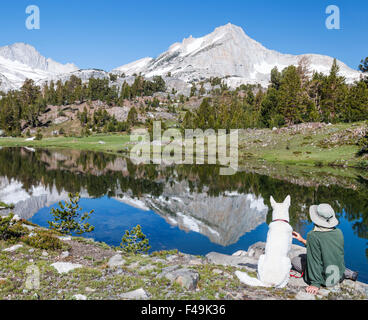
pixel 285 148
pixel 303 149
pixel 114 143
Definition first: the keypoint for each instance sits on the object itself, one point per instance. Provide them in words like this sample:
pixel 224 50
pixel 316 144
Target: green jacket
pixel 325 258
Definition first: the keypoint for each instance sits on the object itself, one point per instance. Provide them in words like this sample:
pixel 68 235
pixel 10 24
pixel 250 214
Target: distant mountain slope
pixel 227 52
pixel 21 61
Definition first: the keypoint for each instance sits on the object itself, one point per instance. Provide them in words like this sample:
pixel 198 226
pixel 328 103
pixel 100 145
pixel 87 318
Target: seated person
pixel 324 264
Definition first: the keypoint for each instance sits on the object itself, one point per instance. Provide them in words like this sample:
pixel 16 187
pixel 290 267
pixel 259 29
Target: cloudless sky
pixel 109 33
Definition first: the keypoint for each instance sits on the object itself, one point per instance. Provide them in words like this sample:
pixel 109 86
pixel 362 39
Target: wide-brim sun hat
pixel 323 216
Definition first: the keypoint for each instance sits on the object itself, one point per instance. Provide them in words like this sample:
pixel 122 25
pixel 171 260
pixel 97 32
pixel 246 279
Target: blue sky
pixel 109 33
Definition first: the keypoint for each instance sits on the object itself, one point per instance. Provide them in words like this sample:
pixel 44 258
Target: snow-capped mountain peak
pixel 227 52
pixel 20 61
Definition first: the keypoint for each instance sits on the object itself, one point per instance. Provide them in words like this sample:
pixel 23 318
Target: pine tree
pixel 364 65
pixel 132 117
pixel 269 106
pixel 356 104
pixel 275 78
pixel 333 95
pixel 291 103
pixel 364 68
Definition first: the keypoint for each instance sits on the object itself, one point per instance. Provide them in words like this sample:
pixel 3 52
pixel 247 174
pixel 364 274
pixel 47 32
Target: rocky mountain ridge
pixel 228 53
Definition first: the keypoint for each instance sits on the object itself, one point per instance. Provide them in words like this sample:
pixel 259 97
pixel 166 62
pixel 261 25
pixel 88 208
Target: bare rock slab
pixel 302 295
pixel 65 267
pixel 226 260
pixel 139 294
pixel 13 248
pixel 116 261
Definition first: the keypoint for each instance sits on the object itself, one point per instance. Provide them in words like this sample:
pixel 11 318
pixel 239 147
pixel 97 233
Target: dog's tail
pixel 250 281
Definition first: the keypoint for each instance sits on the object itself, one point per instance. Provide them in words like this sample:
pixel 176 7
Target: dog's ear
pixel 273 202
pixel 287 201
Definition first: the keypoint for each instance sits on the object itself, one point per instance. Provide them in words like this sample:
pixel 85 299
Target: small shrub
pixel 9 229
pixel 44 240
pixel 363 143
pixel 363 164
pixel 135 241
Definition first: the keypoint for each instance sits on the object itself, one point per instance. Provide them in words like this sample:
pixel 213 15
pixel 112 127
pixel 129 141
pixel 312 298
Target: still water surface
pixel 192 209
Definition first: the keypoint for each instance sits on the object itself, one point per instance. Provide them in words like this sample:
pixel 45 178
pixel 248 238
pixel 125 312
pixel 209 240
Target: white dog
pixel 274 266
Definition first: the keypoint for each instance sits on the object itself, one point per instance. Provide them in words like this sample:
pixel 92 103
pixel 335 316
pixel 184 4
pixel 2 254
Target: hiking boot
pixel 351 275
pixel 354 276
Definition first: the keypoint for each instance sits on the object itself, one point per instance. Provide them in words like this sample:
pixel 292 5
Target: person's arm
pixel 298 237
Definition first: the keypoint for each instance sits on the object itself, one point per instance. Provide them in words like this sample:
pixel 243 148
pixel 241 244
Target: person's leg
pixel 299 262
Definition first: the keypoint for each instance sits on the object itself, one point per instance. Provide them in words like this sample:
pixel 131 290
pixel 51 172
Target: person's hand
pixel 297 236
pixel 312 290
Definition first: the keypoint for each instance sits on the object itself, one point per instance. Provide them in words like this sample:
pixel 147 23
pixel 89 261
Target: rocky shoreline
pixel 83 269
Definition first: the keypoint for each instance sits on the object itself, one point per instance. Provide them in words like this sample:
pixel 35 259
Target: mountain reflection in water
pixel 191 208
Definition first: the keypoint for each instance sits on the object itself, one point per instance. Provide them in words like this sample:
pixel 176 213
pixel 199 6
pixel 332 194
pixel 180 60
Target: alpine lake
pixel 190 208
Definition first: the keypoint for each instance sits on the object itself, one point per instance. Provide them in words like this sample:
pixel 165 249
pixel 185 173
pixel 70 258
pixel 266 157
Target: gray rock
pixel 134 265
pixel 13 248
pixel 187 278
pixel 158 260
pixel 171 258
pixel 196 262
pixel 168 270
pixel 139 294
pixel 226 260
pixel 64 254
pixel 60 120
pixel 240 253
pixel 30 228
pixel 116 261
pixel 256 250
pixel 65 267
pixel 302 295
pixel 79 297
pixel 217 271
pixel 357 286
pixel 148 267
pixel 16 217
pixel 323 292
pixel 62 238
